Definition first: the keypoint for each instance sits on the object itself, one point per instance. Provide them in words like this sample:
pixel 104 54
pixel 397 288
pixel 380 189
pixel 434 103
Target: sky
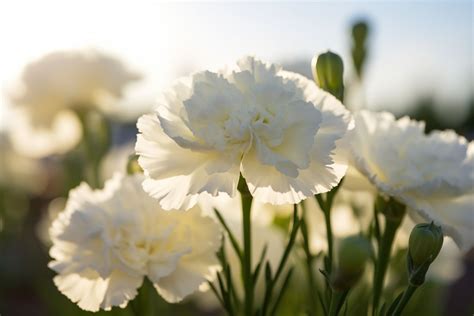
pixel 416 48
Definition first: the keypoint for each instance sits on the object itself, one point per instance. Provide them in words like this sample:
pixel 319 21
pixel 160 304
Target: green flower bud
pixel 359 52
pixel 425 243
pixel 328 70
pixel 353 253
pixel 359 32
pixel 133 166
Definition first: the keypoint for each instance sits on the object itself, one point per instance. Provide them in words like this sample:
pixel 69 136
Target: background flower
pixel 275 127
pixel 432 174
pixel 107 240
pixel 56 84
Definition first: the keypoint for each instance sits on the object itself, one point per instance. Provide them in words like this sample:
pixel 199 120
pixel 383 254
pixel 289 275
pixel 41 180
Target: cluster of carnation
pixel 288 140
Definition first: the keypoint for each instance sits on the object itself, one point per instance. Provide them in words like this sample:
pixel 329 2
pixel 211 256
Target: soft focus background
pixel 419 62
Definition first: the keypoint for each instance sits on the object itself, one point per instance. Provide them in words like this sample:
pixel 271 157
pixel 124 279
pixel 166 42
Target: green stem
pixel 384 251
pixel 143 304
pixel 337 299
pixel 309 263
pixel 327 219
pixel 404 300
pixel 96 142
pixel 326 208
pixel 247 256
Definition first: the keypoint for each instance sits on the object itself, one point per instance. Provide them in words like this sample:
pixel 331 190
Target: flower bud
pixel 359 32
pixel 353 253
pixel 359 52
pixel 328 70
pixel 425 243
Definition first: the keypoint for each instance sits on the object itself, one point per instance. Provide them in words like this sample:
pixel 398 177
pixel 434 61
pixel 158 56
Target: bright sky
pixel 415 47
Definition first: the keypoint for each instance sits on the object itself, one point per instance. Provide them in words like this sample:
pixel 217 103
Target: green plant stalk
pixel 337 299
pixel 404 300
pixel 273 281
pixel 326 208
pixel 247 255
pixel 96 142
pixel 384 251
pixel 143 304
pixel 309 263
pixel 327 220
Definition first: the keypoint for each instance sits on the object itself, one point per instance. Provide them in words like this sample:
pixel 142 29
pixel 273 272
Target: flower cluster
pixel 260 133
pixel 106 241
pixel 275 127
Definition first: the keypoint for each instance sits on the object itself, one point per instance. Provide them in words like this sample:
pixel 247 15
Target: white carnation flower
pixel 432 174
pixel 106 241
pixel 56 84
pixel 275 127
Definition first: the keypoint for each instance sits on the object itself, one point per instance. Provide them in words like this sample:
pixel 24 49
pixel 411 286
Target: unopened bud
pixel 328 70
pixel 353 254
pixel 359 32
pixel 425 243
pixel 359 51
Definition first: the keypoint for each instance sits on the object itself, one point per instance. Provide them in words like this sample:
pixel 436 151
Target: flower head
pixel 274 127
pixel 432 174
pixel 107 240
pixel 57 84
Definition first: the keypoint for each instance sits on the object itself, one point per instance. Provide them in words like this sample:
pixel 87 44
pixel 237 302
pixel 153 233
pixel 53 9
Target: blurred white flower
pixel 432 174
pixel 275 127
pixel 55 207
pixel 56 84
pixel 106 241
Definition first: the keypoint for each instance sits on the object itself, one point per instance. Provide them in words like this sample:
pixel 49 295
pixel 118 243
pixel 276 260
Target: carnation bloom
pixel 54 86
pixel 274 127
pixel 106 241
pixel 432 174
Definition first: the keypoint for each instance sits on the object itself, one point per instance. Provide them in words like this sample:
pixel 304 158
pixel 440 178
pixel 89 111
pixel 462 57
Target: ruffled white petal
pixel 285 136
pixel 107 240
pixel 432 174
pixel 93 293
pixel 178 176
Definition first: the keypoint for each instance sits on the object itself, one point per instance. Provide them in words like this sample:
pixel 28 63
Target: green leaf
pixel 284 286
pixel 260 263
pixel 232 238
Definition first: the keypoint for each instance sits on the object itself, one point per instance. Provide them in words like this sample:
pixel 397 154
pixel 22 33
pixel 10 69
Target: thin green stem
pixel 327 220
pixel 273 281
pixel 404 300
pixel 326 208
pixel 247 255
pixel 309 263
pixel 383 258
pixel 337 299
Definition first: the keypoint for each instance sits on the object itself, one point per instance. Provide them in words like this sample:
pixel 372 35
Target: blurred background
pixel 413 58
